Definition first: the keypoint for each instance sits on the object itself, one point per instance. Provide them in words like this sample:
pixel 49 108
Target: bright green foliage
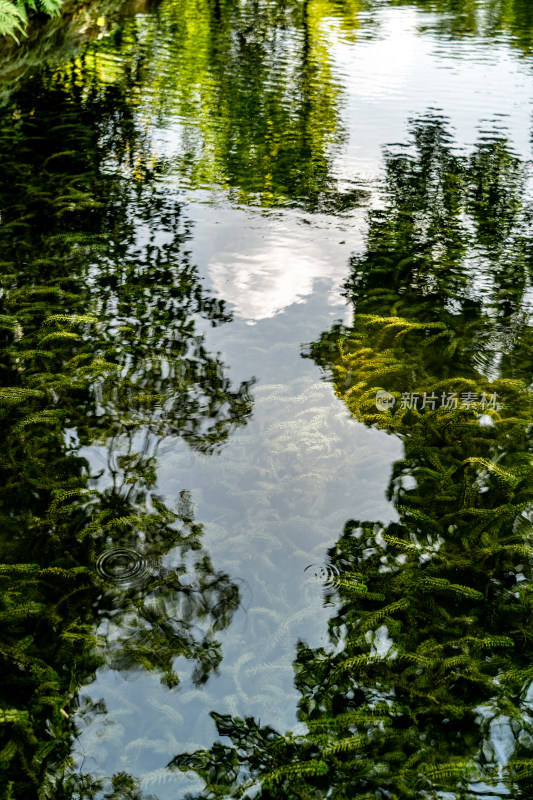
pixel 12 18
pixel 255 86
pixel 431 646
pixel 99 344
pixel 14 15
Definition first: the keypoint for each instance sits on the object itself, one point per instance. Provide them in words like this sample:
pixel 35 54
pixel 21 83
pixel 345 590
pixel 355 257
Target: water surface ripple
pixel 224 228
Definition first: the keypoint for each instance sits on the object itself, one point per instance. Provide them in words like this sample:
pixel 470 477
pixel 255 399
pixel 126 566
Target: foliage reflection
pixel 460 18
pixel 424 690
pixel 254 88
pixel 101 353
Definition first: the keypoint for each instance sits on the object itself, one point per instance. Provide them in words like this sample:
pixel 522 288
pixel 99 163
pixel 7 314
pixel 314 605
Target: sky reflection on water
pixel 270 133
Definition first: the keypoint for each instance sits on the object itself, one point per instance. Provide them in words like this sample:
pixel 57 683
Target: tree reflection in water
pixel 466 18
pixel 423 690
pixel 254 87
pixel 101 350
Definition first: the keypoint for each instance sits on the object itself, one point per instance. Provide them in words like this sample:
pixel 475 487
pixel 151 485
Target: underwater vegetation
pixel 101 357
pixel 424 688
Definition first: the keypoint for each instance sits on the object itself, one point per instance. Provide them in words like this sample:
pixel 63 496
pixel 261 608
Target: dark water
pixel 231 568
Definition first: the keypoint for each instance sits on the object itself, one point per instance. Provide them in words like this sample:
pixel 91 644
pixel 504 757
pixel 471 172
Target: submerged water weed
pixel 98 344
pixel 430 647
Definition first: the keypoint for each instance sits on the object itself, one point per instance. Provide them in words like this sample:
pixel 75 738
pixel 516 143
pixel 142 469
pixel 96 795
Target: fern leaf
pixel 11 19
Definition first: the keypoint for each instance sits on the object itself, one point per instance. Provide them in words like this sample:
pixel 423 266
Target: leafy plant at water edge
pixel 12 18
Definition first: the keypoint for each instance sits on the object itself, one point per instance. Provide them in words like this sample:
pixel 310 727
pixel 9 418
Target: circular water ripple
pixel 122 565
pixel 322 573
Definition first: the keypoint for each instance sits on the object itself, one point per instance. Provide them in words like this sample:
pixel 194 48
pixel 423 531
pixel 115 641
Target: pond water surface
pixel 224 227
